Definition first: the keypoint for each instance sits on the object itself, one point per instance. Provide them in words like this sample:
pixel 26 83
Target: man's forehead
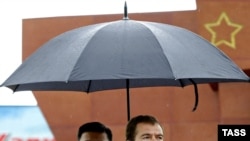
pixel 149 128
pixel 94 136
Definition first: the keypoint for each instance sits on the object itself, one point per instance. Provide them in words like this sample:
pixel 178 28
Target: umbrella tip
pixel 125 16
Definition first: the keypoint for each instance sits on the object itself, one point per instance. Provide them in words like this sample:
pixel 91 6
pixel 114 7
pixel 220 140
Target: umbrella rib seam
pixel 94 34
pixel 161 48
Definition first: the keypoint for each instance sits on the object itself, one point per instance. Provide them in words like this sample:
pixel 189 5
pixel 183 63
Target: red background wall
pixel 225 103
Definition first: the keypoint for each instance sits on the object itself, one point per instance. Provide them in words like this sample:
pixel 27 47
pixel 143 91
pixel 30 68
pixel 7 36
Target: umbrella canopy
pixel 124 54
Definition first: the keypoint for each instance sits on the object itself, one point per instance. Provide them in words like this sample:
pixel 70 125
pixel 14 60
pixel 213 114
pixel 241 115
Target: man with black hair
pixel 94 131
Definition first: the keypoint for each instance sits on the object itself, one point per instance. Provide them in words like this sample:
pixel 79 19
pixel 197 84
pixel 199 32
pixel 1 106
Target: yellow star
pixel 229 42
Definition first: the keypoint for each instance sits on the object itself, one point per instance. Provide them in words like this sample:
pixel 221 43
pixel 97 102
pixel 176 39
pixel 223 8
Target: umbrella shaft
pixel 128 99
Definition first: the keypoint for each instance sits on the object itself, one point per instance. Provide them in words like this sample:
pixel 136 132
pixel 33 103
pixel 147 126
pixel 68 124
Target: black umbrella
pixel 124 54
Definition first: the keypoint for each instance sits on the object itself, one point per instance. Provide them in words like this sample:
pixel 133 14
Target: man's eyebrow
pixel 146 134
pixel 160 135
